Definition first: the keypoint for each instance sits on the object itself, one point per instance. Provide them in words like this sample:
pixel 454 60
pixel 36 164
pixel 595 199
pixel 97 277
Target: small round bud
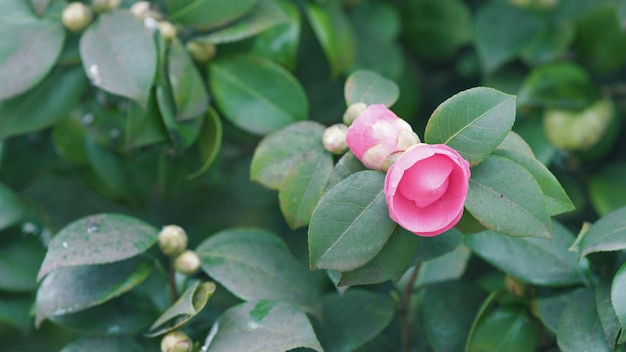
pixel 104 5
pixel 176 341
pixel 172 240
pixel 76 16
pixel 187 263
pixel 334 138
pixel 168 30
pixel 201 52
pixel 142 10
pixel 515 287
pixel 353 112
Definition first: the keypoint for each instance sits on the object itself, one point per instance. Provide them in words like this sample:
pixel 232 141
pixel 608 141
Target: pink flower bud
pixel 426 187
pixel 377 133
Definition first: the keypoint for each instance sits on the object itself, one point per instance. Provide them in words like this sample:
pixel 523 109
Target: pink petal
pixel 427 180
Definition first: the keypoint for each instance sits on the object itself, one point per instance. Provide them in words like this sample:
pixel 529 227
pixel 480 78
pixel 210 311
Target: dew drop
pixel 92 229
pixel 94 74
pixel 151 24
pixel 64 244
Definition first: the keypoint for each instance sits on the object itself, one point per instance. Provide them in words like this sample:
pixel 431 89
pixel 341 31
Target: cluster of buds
pixel 173 243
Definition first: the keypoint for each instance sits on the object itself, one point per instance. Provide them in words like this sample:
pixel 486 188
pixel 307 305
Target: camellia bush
pixel 312 175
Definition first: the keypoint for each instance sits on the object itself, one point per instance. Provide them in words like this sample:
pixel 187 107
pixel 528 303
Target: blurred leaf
pixel 280 42
pixel 106 344
pixel 353 318
pixel 207 14
pixel 40 6
pixel 240 87
pixel 551 42
pixel 580 328
pixel 449 266
pixel 269 326
pixel 448 311
pixel 618 301
pixel 621 13
pixel 350 224
pixel 190 303
pixel 370 88
pixel 506 328
pixel 550 308
pixel 538 261
pixel 430 248
pixel 68 136
pixel 209 141
pixel 190 95
pixel 474 122
pixel 607 188
pixel 110 169
pixel 559 85
pixel 279 151
pixel 600 43
pixel 19 262
pixel 98 239
pixel 46 104
pixel 11 207
pixel 302 186
pixel 504 197
pixel 182 133
pixel 347 165
pixel 392 260
pixel 29 52
pixel 606 235
pixel 120 64
pixel 263 16
pixel 255 265
pixel 15 311
pixel 72 289
pixel 606 310
pixel 437 29
pixel 334 33
pixel 143 125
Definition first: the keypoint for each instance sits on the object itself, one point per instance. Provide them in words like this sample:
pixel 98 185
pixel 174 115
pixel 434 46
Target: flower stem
pixel 405 310
pixel 172 282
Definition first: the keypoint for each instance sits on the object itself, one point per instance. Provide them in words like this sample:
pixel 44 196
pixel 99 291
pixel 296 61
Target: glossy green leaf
pixel 189 304
pixel 606 310
pixel 507 328
pixel 270 326
pixel 334 33
pixel 370 88
pixel 72 289
pixel 606 235
pixel 617 299
pixel 29 53
pixel 539 261
pixel 607 189
pixel 352 319
pixel 557 201
pixel 11 207
pixel 206 14
pixel 492 20
pixel 505 197
pixel 190 95
pixel 98 239
pixel 182 133
pixel 550 307
pixel 109 168
pixel 347 165
pixel 392 260
pixel 580 328
pixel 15 311
pixel 600 42
pixel 209 141
pixel 19 263
pixel 240 87
pixel 120 64
pixel 46 104
pixel 263 16
pixel 255 265
pixel 106 344
pixel 516 144
pixel 533 134
pixel 474 122
pixel 280 42
pixel 448 311
pixel 282 149
pixel 350 224
pixel 449 266
pixel 143 125
pixel 302 186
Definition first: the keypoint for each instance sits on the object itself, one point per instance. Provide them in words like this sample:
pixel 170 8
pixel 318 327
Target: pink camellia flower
pixel 376 134
pixel 426 187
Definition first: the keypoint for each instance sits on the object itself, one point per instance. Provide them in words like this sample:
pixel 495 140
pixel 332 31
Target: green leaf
pixel 110 170
pixel 120 64
pixel 504 197
pixel 28 53
pixel 392 260
pixel 508 328
pixel 280 42
pixel 182 134
pixel 350 224
pixel 40 6
pixel 617 299
pixel 207 14
pixel 302 186
pixel 557 201
pixel 255 265
pixel 143 125
pixel 533 133
pixel 240 87
pixel 474 122
pixel 449 266
pixel 209 141
pixel 580 328
pixel 550 308
pixel 448 311
pixel 190 303
pixel 516 144
pixel 607 189
pixel 261 326
pixel 347 165
pixel 263 16
pixel 98 239
pixel 600 43
pixel 190 95
pixel 106 344
pixel 279 151
pixel 539 261
pixel 334 33
pixel 606 310
pixel 551 42
pixel 46 104
pixel 370 88
pixel 520 25
pixel 606 235
pixel 430 248
pixel 11 207
pixel 72 289
pixel 15 311
pixel 19 263
pixel 352 319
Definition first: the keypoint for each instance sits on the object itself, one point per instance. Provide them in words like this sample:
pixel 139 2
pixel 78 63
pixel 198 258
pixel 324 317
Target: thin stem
pixel 404 310
pixel 173 284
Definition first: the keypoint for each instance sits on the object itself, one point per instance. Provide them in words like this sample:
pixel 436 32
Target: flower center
pixel 426 181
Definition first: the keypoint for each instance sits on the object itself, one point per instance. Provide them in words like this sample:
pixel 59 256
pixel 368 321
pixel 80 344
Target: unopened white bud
pixel 176 341
pixel 334 138
pixel 352 112
pixel 76 16
pixel 172 240
pixel 201 51
pixel 187 263
pixel 168 30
